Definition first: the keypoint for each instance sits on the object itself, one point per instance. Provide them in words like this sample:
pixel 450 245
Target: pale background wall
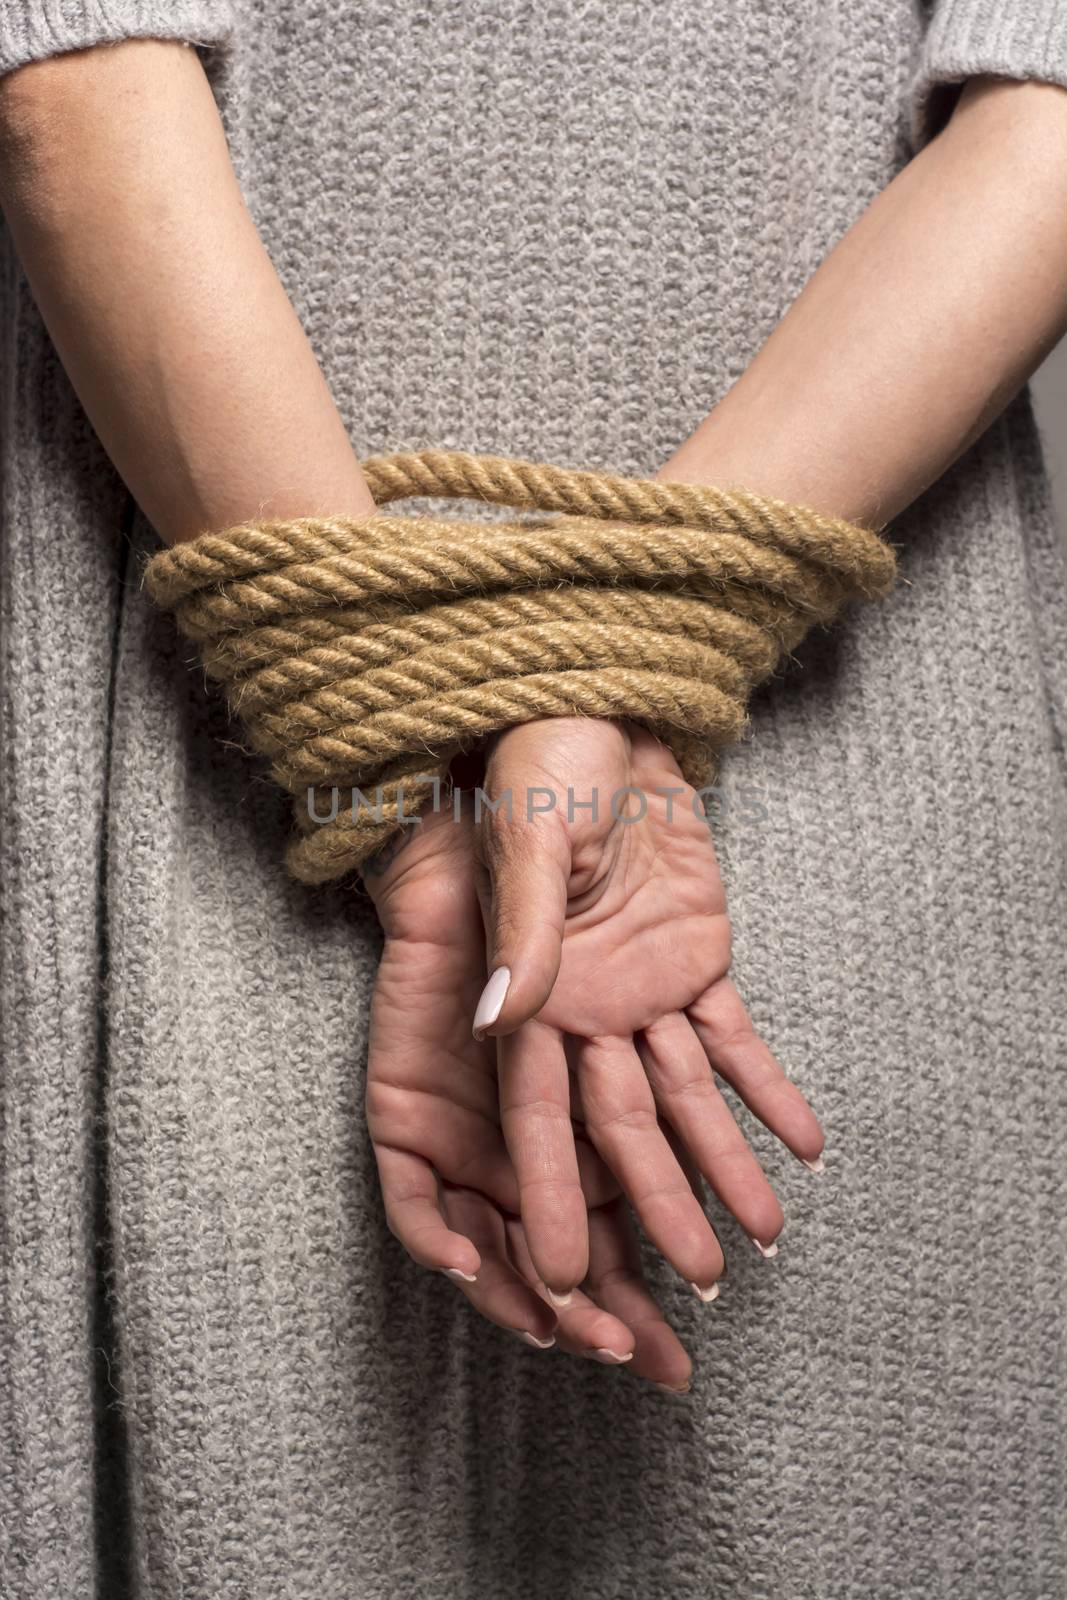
pixel 1050 401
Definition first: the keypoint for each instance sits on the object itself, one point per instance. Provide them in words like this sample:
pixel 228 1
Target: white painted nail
pixel 767 1250
pixel 818 1166
pixel 454 1272
pixel 611 1357
pixel 538 1344
pixel 560 1300
pixel 491 1000
pixel 708 1294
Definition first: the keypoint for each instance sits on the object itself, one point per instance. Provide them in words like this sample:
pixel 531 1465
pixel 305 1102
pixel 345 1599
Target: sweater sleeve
pixel 30 30
pixel 968 38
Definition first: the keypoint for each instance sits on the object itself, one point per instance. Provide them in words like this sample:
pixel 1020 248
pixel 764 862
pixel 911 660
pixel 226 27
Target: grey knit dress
pixel 557 230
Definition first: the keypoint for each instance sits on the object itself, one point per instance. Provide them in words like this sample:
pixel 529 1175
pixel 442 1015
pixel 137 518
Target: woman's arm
pixel 906 343
pixel 192 365
pixel 917 329
pixel 176 333
pixel 908 340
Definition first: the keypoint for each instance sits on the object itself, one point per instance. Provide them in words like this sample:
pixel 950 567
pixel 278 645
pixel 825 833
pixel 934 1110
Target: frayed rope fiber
pixel 362 654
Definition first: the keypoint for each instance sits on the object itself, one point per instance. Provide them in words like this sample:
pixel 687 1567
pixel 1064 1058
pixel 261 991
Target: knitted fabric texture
pixel 362 654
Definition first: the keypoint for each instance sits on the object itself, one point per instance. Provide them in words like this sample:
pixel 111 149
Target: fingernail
pixel 666 1388
pixel 491 1000
pixel 560 1300
pixel 611 1358
pixel 818 1166
pixel 708 1294
pixel 454 1272
pixel 538 1344
pixel 767 1250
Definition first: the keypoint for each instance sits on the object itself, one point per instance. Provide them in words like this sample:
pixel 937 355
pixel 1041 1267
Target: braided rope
pixel 275 663
pixel 363 653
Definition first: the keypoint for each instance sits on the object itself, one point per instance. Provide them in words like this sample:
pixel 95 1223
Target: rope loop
pixel 362 654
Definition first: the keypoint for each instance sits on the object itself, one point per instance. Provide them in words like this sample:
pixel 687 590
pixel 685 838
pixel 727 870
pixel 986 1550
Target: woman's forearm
pixel 172 324
pixel 918 328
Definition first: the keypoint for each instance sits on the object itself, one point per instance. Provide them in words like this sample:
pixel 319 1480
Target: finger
pixel 584 1328
pixel 621 1119
pixel 500 1293
pixel 614 1312
pixel 685 1161
pixel 413 1214
pixel 737 1052
pixel 535 1114
pixel 689 1098
pixel 599 1184
pixel 465 1145
pixel 524 897
pixel 617 1283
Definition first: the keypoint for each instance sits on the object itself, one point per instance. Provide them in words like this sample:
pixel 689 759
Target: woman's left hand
pixel 611 946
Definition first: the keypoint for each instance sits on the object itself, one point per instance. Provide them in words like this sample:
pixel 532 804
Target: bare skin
pixel 609 1086
pixel 857 401
pixel 171 322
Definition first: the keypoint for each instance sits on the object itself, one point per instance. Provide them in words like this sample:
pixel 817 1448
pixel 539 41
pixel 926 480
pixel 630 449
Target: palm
pixel 641 1011
pixel 653 934
pixel 433 1114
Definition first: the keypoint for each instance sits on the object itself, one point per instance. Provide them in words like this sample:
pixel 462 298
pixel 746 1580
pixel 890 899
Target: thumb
pixel 524 907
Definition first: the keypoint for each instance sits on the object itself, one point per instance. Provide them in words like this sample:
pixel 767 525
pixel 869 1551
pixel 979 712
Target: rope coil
pixel 361 654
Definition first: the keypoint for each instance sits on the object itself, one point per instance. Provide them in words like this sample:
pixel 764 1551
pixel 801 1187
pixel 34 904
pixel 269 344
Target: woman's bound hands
pixel 450 1191
pixel 606 935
